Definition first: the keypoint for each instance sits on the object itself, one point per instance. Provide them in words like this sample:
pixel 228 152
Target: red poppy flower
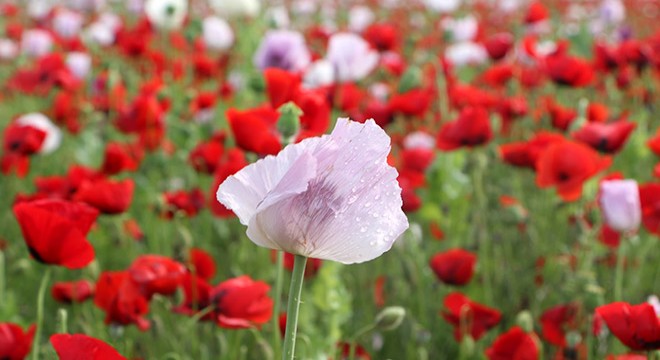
pixel 145 117
pixel 156 274
pixel 20 141
pixel 555 322
pixel 254 129
pixel 469 317
pixel 14 343
pixel 605 58
pixel 206 156
pixel 409 182
pixel 186 202
pixel 55 231
pixel 315 119
pixel 654 143
pixel 511 109
pixel 607 138
pixel 526 154
pixel 462 96
pixel 636 326
pixel 382 37
pixel 242 302
pixel 415 102
pixel 121 300
pixel 66 110
pixel 64 187
pixel 349 97
pixel 498 75
pixel 49 71
pixel 472 128
pixel 201 107
pixel 514 344
pixel 454 267
pixel 79 346
pixel 108 196
pixel 196 297
pixel 202 263
pixel 74 291
pixel 417 159
pixel 649 195
pixel 609 237
pixel 567 165
pixel 498 45
pixel 561 117
pixel 281 86
pixel 568 70
pixel 120 157
pixel 536 12
pixel 597 112
pixel 23 139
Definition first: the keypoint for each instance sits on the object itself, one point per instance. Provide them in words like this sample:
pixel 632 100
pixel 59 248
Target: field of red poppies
pixel 180 180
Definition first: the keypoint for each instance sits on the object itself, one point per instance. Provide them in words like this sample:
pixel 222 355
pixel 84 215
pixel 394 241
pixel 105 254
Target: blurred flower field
pixel 494 195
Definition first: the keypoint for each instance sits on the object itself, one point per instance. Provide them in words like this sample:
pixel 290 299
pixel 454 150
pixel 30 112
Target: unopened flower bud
pixel 289 122
pixel 467 347
pixel 525 320
pixel 390 318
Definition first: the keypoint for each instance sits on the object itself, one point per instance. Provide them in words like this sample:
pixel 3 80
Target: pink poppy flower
pixel 332 197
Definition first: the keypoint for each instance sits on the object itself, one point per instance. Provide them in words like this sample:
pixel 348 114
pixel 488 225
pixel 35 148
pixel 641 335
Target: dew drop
pixel 363 229
pixel 352 199
pixel 367 204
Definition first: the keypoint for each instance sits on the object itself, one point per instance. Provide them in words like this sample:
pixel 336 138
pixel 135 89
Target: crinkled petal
pixel 245 190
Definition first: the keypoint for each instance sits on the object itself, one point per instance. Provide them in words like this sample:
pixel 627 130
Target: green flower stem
pixel 63 318
pixel 2 277
pixel 295 290
pixel 480 159
pixel 277 295
pixel 40 313
pixel 618 275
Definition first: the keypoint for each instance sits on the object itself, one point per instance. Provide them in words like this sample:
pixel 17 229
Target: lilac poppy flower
pixel 619 200
pixel 332 197
pixel 282 49
pixel 351 56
